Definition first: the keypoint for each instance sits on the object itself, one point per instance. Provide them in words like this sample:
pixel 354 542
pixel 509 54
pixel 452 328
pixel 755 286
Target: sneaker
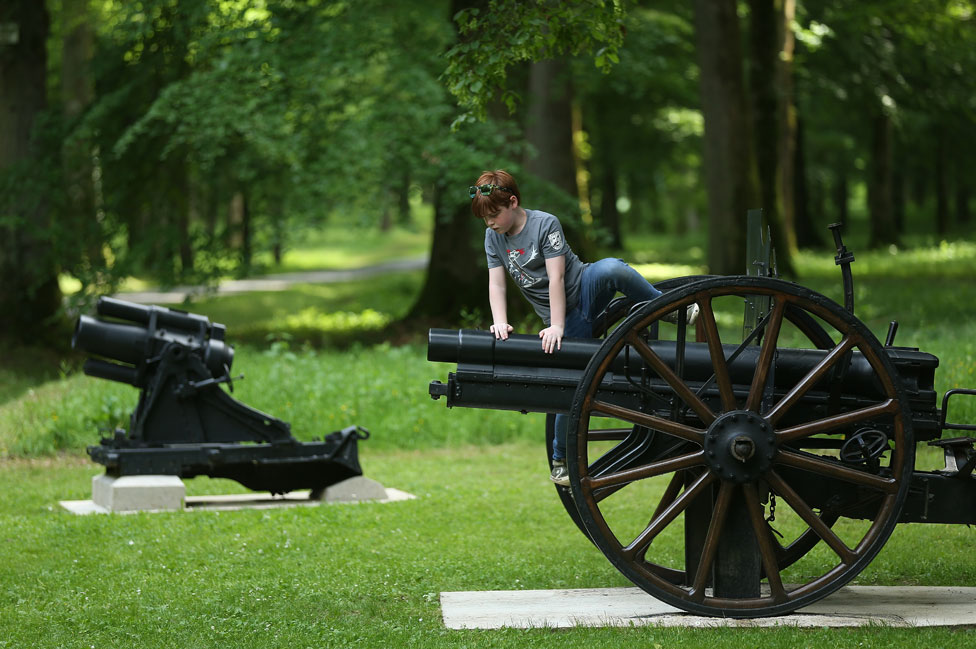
pixel 560 474
pixel 691 315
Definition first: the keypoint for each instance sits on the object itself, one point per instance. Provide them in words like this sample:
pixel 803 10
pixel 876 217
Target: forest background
pixel 185 142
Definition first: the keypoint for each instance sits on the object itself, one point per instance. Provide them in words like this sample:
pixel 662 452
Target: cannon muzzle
pixel 116 340
pixel 147 330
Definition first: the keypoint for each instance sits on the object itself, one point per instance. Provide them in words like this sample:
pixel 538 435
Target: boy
pixel 566 293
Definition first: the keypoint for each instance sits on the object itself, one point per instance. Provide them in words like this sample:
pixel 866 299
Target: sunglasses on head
pixel 485 190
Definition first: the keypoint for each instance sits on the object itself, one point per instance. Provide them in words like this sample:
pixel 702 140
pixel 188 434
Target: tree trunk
pixel 898 192
pixel 455 282
pixel 549 133
pixel 806 208
pixel 788 125
pixel 549 125
pixel 883 229
pixel 773 120
pixel 839 196
pixel 77 93
pixel 729 164
pixel 246 234
pixel 963 193
pixel 403 201
pixel 609 215
pixel 29 294
pixel 941 185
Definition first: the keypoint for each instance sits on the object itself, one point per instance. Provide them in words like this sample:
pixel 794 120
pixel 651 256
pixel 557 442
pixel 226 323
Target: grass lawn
pixel 357 575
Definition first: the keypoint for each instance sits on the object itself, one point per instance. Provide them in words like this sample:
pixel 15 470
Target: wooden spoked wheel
pixel 741 435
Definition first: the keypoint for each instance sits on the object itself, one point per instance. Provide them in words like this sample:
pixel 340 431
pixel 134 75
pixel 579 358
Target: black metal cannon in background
pixel 737 479
pixel 184 424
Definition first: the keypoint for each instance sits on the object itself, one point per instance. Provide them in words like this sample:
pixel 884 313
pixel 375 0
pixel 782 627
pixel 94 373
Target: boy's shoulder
pixel 543 219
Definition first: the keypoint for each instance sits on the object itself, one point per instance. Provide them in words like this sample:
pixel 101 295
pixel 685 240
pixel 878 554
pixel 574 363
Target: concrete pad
pixel 138 492
pixel 301 498
pixel 358 490
pixel 895 606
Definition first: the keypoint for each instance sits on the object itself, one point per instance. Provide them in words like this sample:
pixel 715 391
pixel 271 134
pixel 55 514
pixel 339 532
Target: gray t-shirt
pixel 524 257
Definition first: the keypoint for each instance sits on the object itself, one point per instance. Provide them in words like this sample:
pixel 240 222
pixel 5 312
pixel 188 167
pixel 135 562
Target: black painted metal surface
pixel 185 424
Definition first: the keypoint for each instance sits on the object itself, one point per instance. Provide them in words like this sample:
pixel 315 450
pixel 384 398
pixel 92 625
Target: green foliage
pixel 508 32
pixel 300 112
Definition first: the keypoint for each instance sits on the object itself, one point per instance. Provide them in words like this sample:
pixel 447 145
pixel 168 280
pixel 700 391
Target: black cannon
pixel 729 478
pixel 184 424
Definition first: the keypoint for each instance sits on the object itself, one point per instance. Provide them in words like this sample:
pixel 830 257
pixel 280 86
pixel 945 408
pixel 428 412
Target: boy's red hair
pixel 484 206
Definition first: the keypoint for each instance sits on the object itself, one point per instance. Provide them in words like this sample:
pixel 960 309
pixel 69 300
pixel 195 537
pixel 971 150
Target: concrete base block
pixel 851 606
pixel 355 490
pixel 138 493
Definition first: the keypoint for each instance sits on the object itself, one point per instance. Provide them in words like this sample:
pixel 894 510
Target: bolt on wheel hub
pixel 740 446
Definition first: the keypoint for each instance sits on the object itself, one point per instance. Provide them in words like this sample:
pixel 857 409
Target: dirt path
pixel 178 294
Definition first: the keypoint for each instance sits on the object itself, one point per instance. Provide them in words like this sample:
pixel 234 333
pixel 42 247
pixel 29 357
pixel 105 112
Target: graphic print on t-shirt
pixel 517 262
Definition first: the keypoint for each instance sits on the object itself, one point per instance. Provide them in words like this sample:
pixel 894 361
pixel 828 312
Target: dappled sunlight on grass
pixel 323 314
pixel 956 259
pixel 349 248
pixel 657 272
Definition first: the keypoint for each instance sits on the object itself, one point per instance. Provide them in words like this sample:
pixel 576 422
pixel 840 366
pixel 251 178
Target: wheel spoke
pixel 836 470
pixel 766 356
pixel 836 421
pixel 639 545
pixel 608 434
pixel 810 518
pixel 650 421
pixel 647 471
pixel 811 379
pixel 719 364
pixel 672 379
pixel 712 537
pixel 767 544
pixel 674 488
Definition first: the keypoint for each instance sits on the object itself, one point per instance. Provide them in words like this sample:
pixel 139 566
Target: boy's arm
pixel 552 336
pixel 496 299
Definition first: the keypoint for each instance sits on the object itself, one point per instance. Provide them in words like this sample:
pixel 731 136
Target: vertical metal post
pixel 759 263
pixel 738 563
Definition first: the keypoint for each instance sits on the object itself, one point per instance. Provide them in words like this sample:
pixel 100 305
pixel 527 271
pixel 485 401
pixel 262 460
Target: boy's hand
pixel 501 330
pixel 552 338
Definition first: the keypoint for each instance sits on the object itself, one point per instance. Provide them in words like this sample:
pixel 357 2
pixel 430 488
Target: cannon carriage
pixel 729 470
pixel 184 424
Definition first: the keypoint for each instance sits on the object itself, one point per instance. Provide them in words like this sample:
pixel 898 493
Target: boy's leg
pixel 577 326
pixel 559 437
pixel 600 282
pixel 560 473
pixel 605 278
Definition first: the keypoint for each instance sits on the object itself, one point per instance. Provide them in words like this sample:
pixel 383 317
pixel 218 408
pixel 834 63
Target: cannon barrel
pixel 148 329
pixel 165 317
pixel 111 371
pixel 516 374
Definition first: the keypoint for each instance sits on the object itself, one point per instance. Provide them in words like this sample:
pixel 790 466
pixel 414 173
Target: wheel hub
pixel 740 446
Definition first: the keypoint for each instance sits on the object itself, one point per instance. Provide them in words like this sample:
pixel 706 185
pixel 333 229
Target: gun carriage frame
pixel 184 424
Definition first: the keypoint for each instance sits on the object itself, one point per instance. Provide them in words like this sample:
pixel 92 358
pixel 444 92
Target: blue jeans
pixel 601 280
